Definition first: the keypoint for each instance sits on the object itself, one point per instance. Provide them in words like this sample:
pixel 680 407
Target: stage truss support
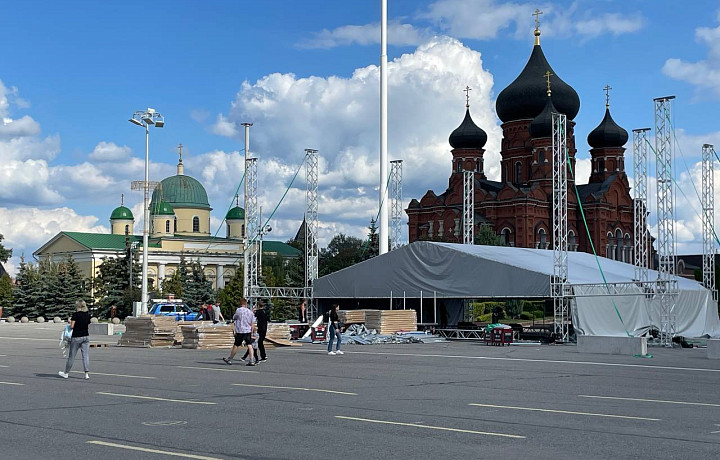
pixel 560 289
pixel 708 221
pixel 252 248
pixel 641 251
pixel 311 227
pixel 468 207
pixel 395 203
pixel 665 217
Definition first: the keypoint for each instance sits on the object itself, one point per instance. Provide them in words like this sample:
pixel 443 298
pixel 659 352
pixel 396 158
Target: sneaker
pixel 250 364
pixel 242 359
pixel 332 353
pixel 262 360
pixel 339 352
pixel 63 374
pixel 87 376
pixel 228 361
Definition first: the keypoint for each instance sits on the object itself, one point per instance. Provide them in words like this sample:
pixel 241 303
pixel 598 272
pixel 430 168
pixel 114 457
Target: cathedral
pixel 519 206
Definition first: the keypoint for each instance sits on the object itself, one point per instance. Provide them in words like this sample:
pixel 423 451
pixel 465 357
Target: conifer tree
pixel 26 291
pixel 6 295
pixel 172 285
pixel 5 254
pixel 229 296
pixel 198 289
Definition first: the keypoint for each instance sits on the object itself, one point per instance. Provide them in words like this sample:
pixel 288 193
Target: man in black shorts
pixel 243 320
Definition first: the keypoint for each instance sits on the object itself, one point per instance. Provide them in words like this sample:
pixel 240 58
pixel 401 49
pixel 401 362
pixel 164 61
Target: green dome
pixel 121 213
pixel 181 192
pixel 235 213
pixel 162 209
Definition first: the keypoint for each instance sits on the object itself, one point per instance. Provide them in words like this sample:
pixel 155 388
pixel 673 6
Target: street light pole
pixel 145 118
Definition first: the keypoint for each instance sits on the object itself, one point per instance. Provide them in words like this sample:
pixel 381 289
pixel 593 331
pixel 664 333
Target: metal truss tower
pixel 311 226
pixel 708 221
pixel 252 232
pixel 667 287
pixel 395 203
pixel 560 289
pixel 641 251
pixel 468 207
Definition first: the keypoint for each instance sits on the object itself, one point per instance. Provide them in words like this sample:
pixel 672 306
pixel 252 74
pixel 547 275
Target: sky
pixel 306 75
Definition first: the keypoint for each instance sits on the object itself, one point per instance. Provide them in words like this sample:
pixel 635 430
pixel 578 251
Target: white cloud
pixel 480 19
pixel 22 127
pixel 224 127
pixel 704 74
pixel 367 34
pixel 110 152
pixel 26 183
pixel 577 20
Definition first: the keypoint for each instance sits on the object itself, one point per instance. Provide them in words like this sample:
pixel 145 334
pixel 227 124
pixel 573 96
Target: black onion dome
pixel 541 125
pixel 468 135
pixel 525 97
pixel 607 134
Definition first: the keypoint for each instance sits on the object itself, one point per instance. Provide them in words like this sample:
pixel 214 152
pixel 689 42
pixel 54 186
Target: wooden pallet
pixel 98 345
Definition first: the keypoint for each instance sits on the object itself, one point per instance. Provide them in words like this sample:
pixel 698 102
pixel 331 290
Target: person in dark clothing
pixel 334 321
pixel 262 324
pixel 79 323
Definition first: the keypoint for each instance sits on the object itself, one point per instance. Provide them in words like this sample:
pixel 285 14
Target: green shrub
pixel 514 308
pixel 486 318
pixel 526 315
pixel 539 314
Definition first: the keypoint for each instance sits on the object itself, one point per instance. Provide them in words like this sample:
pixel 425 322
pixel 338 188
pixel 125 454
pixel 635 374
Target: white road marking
pixel 153 398
pixel 11 383
pixel 152 451
pixel 218 369
pixel 688 403
pixel 3 355
pixel 30 338
pixel 430 427
pixel 565 412
pixel 525 360
pixel 3 366
pixel 116 375
pixel 295 388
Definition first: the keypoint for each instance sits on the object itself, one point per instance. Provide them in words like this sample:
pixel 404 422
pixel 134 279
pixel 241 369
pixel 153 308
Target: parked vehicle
pixel 180 311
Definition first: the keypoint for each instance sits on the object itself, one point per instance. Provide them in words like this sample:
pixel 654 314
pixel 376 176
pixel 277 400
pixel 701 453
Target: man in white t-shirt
pixel 243 322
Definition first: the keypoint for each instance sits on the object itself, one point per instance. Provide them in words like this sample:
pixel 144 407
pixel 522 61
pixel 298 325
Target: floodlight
pixel 133 120
pixel 159 123
pixel 147 118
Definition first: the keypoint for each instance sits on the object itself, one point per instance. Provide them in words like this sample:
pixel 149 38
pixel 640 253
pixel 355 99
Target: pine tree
pixel 487 236
pixel 229 297
pixel 51 289
pixel 5 254
pixel 183 274
pixel 173 285
pixel 72 287
pixel 6 294
pixel 198 289
pixel 26 291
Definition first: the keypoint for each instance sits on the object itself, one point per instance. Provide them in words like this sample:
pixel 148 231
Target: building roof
pixel 468 135
pixel 525 97
pixel 281 249
pixel 101 240
pixel 607 134
pixel 121 213
pixel 181 191
pixel 161 209
pixel 542 125
pixel 235 213
pixel 597 189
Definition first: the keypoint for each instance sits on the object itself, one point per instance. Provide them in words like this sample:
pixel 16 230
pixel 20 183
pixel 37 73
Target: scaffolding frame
pixel 468 207
pixel 666 218
pixel 560 289
pixel 708 207
pixel 252 231
pixel 311 227
pixel 641 240
pixel 395 203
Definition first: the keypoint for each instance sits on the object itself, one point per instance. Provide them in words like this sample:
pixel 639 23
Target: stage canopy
pixel 458 271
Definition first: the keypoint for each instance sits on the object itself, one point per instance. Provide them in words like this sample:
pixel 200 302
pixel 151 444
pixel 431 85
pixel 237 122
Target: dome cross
pixel 607 96
pixel 537 14
pixel 467 96
pixel 547 80
pixel 179 147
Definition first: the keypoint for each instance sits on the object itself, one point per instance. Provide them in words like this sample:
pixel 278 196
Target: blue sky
pixel 72 73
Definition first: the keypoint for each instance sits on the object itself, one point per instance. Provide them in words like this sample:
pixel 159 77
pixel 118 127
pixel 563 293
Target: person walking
pixel 335 331
pixel 217 315
pixel 79 323
pixel 262 324
pixel 243 326
pixel 302 317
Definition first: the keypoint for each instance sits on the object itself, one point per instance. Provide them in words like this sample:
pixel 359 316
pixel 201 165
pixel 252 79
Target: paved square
pixel 448 400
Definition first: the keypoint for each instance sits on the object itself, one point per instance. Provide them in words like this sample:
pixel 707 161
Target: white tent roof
pixel 470 271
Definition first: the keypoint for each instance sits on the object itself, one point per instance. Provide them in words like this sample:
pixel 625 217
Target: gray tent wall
pixel 452 272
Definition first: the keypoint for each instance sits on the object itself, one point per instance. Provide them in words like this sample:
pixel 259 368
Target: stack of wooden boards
pixel 348 317
pixel 278 335
pixel 149 331
pixel 180 324
pixel 207 336
pixel 391 321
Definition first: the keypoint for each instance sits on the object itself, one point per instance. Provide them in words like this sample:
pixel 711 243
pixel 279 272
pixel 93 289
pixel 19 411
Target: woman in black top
pixel 79 324
pixel 335 330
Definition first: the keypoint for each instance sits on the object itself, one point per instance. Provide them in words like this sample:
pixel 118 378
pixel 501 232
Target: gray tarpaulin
pixel 458 271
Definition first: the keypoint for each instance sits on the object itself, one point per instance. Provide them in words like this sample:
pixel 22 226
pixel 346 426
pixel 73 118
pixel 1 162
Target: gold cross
pixel 537 14
pixel 237 200
pixel 607 96
pixel 547 79
pixel 467 96
pixel 180 146
pixel 122 199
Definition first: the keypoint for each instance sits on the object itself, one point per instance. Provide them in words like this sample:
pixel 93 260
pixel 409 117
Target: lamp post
pixel 145 118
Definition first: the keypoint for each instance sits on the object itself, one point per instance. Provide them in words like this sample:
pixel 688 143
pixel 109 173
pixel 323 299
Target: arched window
pixel 518 172
pixel 196 224
pixel 571 240
pixel 175 225
pixel 601 165
pixel 618 245
pixel 127 229
pixel 505 235
pixel 541 156
pixel 459 166
pixel 542 238
pixel 167 226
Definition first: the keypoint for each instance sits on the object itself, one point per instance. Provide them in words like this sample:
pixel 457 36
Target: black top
pixel 468 135
pixel 262 319
pixel 82 321
pixel 607 134
pixel 525 97
pixel 334 317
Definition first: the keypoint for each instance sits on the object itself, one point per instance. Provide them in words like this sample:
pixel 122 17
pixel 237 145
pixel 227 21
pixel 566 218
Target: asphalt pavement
pixel 446 400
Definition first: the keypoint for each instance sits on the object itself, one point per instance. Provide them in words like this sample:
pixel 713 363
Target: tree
pixel 26 291
pixel 172 285
pixel 198 289
pixel 486 236
pixel 342 251
pixel 5 254
pixel 6 294
pixel 371 247
pixel 114 287
pixel 229 297
pixel 69 286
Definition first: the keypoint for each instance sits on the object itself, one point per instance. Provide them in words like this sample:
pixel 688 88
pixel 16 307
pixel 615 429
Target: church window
pixel 619 252
pixel 571 240
pixel 175 225
pixel 505 235
pixel 601 165
pixel 127 229
pixel 243 230
pixel 459 166
pixel 196 224
pixel 167 226
pixel 541 156
pixel 518 172
pixel 542 237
